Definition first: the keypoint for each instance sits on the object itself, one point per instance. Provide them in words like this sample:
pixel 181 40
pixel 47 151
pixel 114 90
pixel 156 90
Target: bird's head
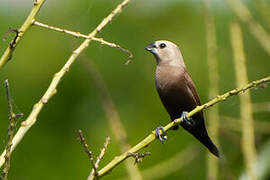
pixel 166 52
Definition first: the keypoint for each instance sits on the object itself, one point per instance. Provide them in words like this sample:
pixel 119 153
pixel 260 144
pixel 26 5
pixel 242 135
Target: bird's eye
pixel 162 45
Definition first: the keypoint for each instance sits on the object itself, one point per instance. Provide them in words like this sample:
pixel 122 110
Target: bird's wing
pixel 199 131
pixel 191 86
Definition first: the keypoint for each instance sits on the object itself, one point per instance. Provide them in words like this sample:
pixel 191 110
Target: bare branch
pixel 103 150
pixel 78 34
pixel 51 91
pixel 27 23
pixel 94 172
pixel 151 137
pixel 112 115
pixel 88 152
pixel 11 129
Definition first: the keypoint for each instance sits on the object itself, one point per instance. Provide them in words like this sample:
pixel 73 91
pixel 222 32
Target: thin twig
pixel 151 137
pixel 52 89
pixel 93 172
pixel 88 152
pixel 248 139
pixel 11 129
pixel 13 42
pixel 103 150
pixel 78 34
pixel 112 115
pixel 213 115
pixel 27 23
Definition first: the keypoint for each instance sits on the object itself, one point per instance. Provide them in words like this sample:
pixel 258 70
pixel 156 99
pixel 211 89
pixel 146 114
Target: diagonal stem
pixel 52 89
pixel 12 117
pixel 78 34
pixel 112 115
pixel 27 23
pixel 151 137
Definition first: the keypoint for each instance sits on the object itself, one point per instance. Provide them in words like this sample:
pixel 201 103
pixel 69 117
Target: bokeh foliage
pixel 50 149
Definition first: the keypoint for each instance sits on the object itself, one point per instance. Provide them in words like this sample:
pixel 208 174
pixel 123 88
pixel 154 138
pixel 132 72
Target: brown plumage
pixel 177 90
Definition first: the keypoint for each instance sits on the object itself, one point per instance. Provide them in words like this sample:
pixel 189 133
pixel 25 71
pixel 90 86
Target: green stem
pixel 27 23
pixel 151 137
pixel 52 89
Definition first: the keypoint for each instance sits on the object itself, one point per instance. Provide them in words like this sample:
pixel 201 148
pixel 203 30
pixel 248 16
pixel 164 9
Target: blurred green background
pixel 50 149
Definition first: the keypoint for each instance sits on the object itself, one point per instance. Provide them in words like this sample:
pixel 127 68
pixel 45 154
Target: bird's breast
pixel 168 77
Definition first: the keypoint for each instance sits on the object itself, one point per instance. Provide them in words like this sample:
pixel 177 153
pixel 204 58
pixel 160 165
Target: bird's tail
pixel 201 134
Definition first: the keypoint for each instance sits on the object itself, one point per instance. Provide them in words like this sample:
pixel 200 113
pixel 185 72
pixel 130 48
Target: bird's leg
pixel 161 136
pixel 186 122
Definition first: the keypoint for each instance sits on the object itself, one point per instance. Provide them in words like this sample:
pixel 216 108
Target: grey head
pixel 166 52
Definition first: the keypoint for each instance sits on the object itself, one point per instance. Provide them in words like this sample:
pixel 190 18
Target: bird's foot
pixel 186 122
pixel 161 136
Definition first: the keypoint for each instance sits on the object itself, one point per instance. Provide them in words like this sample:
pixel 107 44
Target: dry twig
pixel 27 23
pixel 52 89
pixel 93 172
pixel 88 152
pixel 78 34
pixel 112 115
pixel 11 129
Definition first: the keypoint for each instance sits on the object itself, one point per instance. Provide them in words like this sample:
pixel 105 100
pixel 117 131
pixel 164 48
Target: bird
pixel 178 92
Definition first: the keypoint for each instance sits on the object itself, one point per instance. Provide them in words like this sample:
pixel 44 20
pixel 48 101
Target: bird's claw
pixel 161 136
pixel 186 121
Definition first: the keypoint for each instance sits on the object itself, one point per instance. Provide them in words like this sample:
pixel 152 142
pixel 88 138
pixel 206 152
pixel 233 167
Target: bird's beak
pixel 151 48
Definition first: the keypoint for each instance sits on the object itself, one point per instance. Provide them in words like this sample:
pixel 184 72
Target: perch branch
pixel 93 172
pixel 151 137
pixel 27 23
pixel 78 34
pixel 248 139
pixel 51 91
pixel 213 115
pixel 112 115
